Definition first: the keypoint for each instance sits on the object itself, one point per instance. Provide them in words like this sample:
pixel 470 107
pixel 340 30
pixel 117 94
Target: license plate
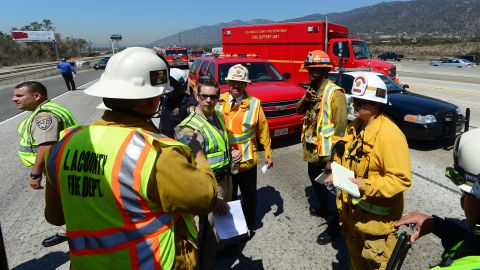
pixel 280 132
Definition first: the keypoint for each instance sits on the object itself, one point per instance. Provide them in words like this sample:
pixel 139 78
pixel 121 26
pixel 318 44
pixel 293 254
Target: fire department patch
pixel 43 122
pixel 359 86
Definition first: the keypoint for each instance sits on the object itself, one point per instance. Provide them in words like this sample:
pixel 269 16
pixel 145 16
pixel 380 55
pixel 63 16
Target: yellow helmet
pixel 318 58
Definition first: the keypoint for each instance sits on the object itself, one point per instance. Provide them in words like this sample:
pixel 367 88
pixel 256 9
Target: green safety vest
pixel 325 124
pixel 464 263
pixel 28 146
pixel 215 145
pixel 101 174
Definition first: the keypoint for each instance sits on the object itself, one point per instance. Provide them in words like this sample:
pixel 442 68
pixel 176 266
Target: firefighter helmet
pixel 318 58
pixel 238 73
pixel 466 168
pixel 368 86
pixel 134 73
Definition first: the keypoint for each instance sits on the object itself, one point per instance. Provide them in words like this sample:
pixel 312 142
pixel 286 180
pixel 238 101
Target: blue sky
pixel 144 21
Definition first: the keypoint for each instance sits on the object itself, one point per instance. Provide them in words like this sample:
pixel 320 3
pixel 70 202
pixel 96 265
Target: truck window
pixel 211 71
pixel 195 66
pixel 360 50
pixel 203 68
pixel 257 72
pixel 345 50
pixel 175 52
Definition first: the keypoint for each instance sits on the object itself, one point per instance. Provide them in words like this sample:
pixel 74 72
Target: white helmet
pixel 134 73
pixel 466 171
pixel 238 73
pixel 369 86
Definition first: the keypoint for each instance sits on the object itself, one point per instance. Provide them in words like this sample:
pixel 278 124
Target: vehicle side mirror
pixel 286 75
pixel 405 87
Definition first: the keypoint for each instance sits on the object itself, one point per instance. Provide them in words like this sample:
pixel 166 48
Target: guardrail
pixel 38 71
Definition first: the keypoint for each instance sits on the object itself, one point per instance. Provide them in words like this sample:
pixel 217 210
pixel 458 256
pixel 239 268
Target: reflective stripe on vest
pixel 325 128
pixel 371 208
pixel 112 214
pixel 215 145
pixel 240 127
pixel 28 147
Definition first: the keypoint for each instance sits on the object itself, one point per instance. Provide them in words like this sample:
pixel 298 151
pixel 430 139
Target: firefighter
pixel 38 132
pixel 126 194
pixel 212 135
pixel 460 239
pixel 325 109
pixel 245 122
pixel 377 152
pixel 176 105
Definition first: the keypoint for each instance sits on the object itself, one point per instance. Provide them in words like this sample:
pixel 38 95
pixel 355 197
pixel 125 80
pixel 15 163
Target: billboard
pixel 33 36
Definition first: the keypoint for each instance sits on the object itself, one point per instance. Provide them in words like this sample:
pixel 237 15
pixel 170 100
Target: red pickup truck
pixel 279 97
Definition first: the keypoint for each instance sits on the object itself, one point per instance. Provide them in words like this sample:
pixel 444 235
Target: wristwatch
pixel 35 175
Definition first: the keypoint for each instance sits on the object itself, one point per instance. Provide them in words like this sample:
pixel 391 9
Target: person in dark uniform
pixel 176 105
pixel 67 71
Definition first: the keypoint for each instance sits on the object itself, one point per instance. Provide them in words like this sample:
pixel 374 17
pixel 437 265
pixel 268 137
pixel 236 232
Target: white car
pixel 452 62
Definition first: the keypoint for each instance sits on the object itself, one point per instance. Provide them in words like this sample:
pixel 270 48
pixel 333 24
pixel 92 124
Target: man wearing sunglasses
pixel 245 122
pixel 460 239
pixel 325 109
pixel 206 125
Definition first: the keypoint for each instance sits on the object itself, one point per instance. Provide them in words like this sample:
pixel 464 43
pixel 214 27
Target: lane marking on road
pixel 436 183
pixel 26 112
pixel 445 89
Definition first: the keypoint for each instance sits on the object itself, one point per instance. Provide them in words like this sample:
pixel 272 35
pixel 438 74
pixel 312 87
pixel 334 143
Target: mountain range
pixel 408 19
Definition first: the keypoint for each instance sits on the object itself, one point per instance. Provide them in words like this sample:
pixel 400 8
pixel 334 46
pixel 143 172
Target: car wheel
pixel 95 68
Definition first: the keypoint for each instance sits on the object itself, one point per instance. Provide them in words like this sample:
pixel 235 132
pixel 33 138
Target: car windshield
pixel 175 52
pixel 257 72
pixel 346 82
pixel 360 49
pixel 104 60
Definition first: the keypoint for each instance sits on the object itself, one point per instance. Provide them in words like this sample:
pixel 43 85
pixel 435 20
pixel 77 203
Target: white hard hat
pixel 238 73
pixel 369 86
pixel 466 162
pixel 134 73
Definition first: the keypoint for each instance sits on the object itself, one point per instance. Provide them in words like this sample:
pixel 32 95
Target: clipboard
pixel 341 179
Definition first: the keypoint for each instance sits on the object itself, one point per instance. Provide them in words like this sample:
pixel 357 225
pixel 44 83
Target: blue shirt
pixel 66 67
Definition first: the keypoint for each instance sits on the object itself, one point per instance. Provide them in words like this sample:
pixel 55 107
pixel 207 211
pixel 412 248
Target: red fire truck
pixel 286 45
pixel 177 57
pixel 195 53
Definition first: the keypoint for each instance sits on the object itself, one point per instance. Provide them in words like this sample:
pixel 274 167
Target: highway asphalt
pixel 287 233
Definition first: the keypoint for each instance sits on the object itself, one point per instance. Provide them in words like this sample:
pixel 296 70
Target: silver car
pixel 452 62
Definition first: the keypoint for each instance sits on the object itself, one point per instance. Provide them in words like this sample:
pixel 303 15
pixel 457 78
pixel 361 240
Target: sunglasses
pixel 212 97
pixel 361 103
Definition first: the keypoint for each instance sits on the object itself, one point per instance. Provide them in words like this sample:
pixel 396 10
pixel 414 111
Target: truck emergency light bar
pixel 234 55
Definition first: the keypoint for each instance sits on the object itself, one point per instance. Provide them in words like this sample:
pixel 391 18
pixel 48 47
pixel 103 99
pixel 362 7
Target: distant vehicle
pixel 195 53
pixel 390 56
pixel 278 96
pixel 177 57
pixel 102 63
pixel 419 117
pixel 452 62
pixel 472 58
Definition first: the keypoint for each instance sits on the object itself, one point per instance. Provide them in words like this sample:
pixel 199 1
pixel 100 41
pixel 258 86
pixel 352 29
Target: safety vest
pixel 215 145
pixel 241 127
pixel 325 122
pixel 28 146
pixel 101 174
pixel 449 261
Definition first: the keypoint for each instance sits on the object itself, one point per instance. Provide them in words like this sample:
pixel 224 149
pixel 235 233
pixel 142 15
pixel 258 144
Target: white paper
pixel 232 224
pixel 341 179
pixel 265 168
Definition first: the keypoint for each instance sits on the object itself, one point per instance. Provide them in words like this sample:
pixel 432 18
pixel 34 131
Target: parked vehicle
pixel 472 58
pixel 419 117
pixel 102 63
pixel 177 57
pixel 390 56
pixel 278 96
pixel 286 45
pixel 195 53
pixel 452 62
